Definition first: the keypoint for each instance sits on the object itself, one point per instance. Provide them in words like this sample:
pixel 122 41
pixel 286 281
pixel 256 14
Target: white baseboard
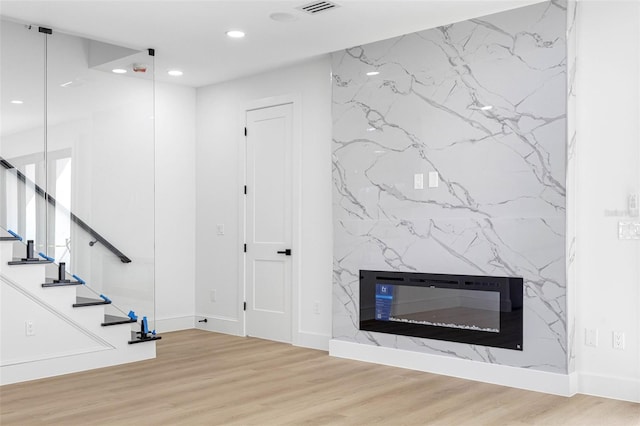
pixel 521 378
pixel 311 340
pixel 75 363
pixel 219 325
pixel 622 388
pixel 165 325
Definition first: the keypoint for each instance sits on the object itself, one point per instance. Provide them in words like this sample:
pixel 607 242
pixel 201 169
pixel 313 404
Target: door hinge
pixel 245 248
pixel 245 306
pixel 245 131
pixel 245 190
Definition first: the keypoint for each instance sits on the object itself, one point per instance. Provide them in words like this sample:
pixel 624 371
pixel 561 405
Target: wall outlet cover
pixel 618 340
pixel 29 328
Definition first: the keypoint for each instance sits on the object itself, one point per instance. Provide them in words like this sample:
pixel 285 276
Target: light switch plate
pixel 434 180
pixel 591 337
pixel 418 181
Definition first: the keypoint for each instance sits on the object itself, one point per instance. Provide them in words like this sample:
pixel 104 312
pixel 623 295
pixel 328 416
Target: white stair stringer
pixel 66 339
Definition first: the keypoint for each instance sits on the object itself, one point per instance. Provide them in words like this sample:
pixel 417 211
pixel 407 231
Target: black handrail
pixel 75 219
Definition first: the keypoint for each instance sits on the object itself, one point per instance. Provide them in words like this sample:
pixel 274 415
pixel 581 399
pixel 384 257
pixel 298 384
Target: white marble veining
pixel 483 103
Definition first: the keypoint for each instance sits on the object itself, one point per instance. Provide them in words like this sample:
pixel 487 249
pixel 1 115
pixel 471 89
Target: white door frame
pixel 296 172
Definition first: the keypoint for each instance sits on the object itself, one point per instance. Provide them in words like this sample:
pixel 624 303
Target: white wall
pixel 608 155
pixel 220 124
pixel 175 206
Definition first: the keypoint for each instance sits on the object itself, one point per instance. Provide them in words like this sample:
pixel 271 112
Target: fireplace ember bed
pixel 480 310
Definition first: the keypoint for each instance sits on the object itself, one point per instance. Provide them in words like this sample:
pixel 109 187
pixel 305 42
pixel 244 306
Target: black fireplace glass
pixel 481 310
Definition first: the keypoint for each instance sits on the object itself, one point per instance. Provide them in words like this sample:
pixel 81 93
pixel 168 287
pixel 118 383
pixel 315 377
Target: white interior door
pixel 269 228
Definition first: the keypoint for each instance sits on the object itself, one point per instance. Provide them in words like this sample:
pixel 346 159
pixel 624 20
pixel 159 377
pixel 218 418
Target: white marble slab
pixel 484 103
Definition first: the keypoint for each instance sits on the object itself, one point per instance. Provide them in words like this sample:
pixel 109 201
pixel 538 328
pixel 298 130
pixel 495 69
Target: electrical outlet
pixel 212 295
pixel 29 328
pixel 316 308
pixel 618 340
pixel 220 228
pixel 591 337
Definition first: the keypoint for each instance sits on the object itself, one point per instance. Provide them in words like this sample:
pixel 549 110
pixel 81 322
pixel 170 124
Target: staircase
pixel 48 329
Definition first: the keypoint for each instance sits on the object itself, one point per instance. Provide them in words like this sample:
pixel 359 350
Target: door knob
pixel 286 252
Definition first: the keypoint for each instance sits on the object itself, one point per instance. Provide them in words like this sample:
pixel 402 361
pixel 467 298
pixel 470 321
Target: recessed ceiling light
pixel 119 71
pixel 371 73
pixel 17 102
pixel 235 33
pixel 175 73
pixel 486 107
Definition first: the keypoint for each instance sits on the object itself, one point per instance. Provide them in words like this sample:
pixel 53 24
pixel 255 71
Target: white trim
pixel 622 388
pixel 64 354
pixel 308 339
pixel 78 362
pixel 220 325
pixel 295 99
pixel 165 325
pixel 521 378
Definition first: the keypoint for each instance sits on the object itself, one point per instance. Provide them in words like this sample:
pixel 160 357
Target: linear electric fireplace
pixel 480 310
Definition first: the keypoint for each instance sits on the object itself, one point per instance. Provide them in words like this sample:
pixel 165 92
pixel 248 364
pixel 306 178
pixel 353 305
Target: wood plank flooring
pixel 203 378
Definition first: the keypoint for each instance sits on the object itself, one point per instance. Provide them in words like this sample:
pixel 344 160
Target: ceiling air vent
pixel 317 7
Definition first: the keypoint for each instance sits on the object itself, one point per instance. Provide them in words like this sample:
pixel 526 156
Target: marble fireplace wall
pixel 482 103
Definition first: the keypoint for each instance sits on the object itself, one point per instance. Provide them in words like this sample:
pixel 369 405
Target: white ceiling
pixel 190 35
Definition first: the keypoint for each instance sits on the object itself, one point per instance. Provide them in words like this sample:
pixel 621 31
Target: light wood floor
pixel 202 378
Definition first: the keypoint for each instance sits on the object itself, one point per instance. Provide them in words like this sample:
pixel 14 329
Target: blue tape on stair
pixel 14 234
pixel 133 315
pixel 50 259
pixel 80 280
pixel 105 298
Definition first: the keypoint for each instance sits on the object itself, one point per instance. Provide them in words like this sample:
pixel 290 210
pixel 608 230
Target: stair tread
pixel 9 239
pixel 49 283
pixel 28 262
pixel 135 338
pixel 114 320
pixel 88 301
